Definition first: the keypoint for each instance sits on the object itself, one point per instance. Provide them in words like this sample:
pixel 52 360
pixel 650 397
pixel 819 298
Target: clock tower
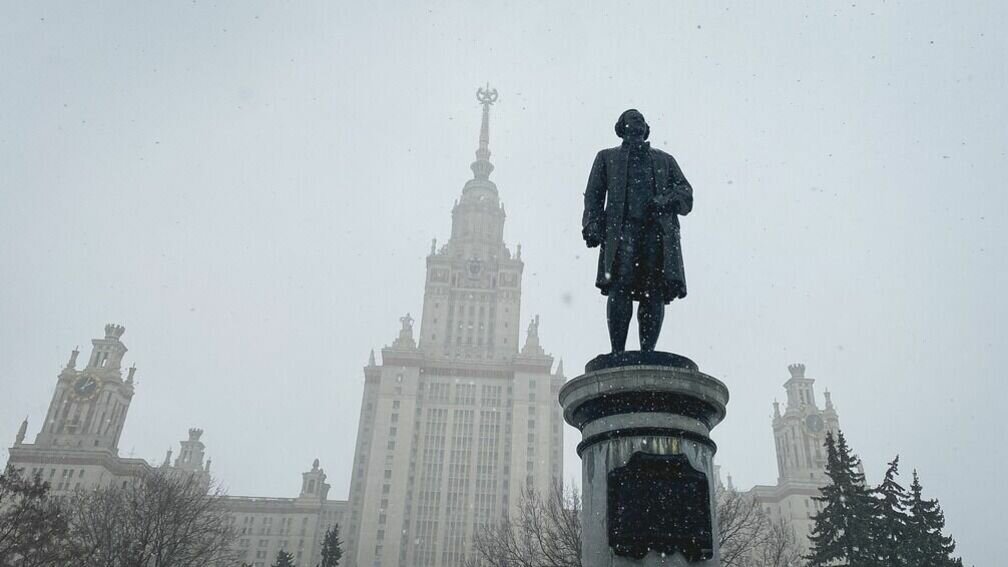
pixel 799 435
pixel 800 431
pixel 88 408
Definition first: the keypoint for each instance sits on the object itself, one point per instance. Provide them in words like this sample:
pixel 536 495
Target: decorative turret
pixel 797 370
pixel 72 363
pixel 371 360
pixel 191 453
pixel 113 331
pixel 559 369
pixel 799 388
pixel 313 483
pixel 107 353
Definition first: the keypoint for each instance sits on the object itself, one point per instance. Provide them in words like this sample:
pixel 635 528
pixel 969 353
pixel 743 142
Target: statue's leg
pixel 650 315
pixel 619 311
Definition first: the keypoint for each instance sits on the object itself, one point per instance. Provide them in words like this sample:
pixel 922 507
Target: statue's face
pixel 634 125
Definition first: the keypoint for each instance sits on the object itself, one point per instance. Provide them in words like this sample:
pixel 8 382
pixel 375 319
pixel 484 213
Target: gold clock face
pixel 86 387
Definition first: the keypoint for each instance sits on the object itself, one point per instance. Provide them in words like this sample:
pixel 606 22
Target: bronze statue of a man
pixel 633 201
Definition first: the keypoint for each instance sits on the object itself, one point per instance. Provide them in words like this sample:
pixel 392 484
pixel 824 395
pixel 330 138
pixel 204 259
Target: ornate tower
pixel 473 288
pixel 800 432
pixel 88 408
pixel 313 483
pixel 455 421
pixel 192 452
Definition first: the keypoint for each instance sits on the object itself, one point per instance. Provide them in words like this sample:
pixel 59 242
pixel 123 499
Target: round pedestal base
pixel 647 463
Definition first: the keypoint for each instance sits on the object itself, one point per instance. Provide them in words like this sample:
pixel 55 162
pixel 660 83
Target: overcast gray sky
pixel 252 189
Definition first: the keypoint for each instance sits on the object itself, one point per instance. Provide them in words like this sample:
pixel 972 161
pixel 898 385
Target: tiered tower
pixel 800 432
pixel 799 435
pixel 473 290
pixel 88 408
pixel 77 445
pixel 457 419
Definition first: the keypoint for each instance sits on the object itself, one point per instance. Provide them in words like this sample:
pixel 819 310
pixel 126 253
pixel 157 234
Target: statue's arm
pixel 593 220
pixel 682 192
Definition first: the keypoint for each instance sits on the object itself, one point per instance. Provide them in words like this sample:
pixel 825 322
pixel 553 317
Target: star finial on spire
pixel 482 167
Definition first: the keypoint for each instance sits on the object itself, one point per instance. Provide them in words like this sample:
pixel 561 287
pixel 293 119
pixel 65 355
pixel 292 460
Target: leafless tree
pixel 749 537
pixel 779 548
pixel 33 529
pixel 545 533
pixel 742 527
pixel 159 519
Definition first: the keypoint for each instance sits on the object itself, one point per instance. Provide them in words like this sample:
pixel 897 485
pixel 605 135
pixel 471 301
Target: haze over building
pixel 457 421
pixel 799 439
pixel 77 448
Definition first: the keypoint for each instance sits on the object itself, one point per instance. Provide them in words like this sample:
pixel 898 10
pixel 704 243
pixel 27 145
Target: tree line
pixel 882 526
pixel 856 526
pixel 157 519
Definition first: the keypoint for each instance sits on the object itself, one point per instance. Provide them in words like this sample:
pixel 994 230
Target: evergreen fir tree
pixel 889 526
pixel 840 535
pixel 926 546
pixel 284 559
pixel 332 547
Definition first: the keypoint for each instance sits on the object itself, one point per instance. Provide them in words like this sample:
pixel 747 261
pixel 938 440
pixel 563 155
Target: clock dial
pixel 814 423
pixel 475 267
pixel 86 387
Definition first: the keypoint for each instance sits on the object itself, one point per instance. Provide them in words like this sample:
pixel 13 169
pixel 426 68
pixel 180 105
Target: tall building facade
pixel 77 448
pixel 799 436
pixel 456 420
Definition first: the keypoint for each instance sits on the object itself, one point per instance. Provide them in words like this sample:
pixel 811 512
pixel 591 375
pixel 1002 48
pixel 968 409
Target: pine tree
pixel 840 535
pixel 926 546
pixel 284 559
pixel 889 526
pixel 332 547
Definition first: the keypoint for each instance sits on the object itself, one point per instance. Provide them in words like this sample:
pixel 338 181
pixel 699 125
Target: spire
pixel 829 400
pixel 167 459
pixel 371 359
pixel 559 371
pixel 21 432
pixel 482 167
pixel 72 363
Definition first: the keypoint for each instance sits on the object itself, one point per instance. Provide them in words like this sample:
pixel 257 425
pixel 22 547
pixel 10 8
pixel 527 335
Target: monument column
pixel 647 472
pixel 647 459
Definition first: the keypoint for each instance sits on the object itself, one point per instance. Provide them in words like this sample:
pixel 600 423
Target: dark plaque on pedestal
pixel 659 503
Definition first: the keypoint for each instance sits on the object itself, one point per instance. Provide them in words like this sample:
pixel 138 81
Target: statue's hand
pixel 663 203
pixel 592 235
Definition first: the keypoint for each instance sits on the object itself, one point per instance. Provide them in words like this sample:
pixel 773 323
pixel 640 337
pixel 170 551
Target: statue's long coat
pixel 605 197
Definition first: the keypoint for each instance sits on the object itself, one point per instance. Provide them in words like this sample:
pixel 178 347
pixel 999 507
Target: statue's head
pixel 632 124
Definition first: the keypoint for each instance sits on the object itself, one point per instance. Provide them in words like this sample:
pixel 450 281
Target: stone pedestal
pixel 648 480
